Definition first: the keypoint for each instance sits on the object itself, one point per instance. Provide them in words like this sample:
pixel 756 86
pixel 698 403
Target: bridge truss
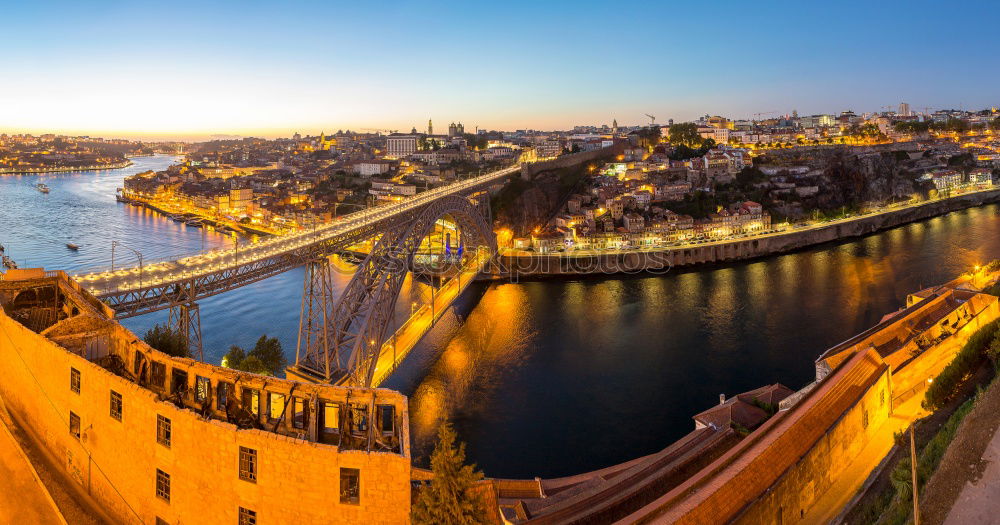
pixel 340 341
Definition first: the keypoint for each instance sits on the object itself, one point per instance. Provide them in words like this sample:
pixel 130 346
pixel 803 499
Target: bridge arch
pixel 356 325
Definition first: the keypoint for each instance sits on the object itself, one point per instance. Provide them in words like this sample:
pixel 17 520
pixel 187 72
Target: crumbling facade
pixel 158 439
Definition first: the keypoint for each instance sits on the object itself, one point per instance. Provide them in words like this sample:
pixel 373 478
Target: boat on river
pixel 72 246
pixel 42 187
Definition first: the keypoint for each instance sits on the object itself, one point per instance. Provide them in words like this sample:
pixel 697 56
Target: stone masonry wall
pixel 116 461
pixel 799 488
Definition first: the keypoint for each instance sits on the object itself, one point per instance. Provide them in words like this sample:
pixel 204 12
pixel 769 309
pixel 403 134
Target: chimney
pixel 722 399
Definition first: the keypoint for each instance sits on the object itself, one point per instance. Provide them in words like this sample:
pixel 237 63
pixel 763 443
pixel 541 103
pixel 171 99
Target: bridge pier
pixel 313 346
pixel 186 320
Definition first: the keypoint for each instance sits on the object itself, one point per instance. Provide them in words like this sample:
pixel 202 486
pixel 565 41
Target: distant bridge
pixel 339 342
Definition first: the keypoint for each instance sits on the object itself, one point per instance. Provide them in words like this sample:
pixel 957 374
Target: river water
pixel 553 377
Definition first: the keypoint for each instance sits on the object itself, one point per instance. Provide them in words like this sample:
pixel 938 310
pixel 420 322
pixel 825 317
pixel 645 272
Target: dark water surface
pixel 554 377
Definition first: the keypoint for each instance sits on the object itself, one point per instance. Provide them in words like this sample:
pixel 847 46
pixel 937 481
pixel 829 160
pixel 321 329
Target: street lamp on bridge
pixel 136 252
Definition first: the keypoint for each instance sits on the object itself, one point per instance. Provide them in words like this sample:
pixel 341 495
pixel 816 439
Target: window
pixel 251 401
pixel 301 416
pixel 222 391
pixel 248 464
pixel 116 405
pixel 359 418
pixel 74 425
pixel 162 430
pixel 276 405
pixel 247 517
pixel 331 417
pixel 386 419
pixel 137 363
pixel 881 398
pixel 350 486
pixel 202 387
pixel 163 485
pixel 74 380
pixel 864 418
pixel 161 521
pixel 158 374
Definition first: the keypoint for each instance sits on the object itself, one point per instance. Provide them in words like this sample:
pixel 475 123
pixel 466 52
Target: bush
pixel 265 358
pixel 167 340
pixel 968 357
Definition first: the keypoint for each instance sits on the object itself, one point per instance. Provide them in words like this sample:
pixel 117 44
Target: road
pixel 771 233
pixel 398 346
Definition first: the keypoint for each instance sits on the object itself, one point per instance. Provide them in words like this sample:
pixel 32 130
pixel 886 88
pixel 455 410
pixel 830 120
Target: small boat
pixel 42 187
pixel 72 246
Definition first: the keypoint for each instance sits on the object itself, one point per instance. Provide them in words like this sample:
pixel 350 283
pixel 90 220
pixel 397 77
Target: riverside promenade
pixel 64 169
pixel 663 258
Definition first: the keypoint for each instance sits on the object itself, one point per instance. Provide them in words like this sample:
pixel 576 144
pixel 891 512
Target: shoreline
pixel 64 169
pixel 652 261
pixel 212 222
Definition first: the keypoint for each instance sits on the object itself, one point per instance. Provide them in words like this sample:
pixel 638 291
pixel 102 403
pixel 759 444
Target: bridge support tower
pixel 186 320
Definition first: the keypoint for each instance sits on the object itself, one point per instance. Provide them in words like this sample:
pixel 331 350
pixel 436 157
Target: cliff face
pixel 866 178
pixel 525 205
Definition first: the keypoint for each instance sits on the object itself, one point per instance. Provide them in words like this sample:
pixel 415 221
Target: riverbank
pixel 215 223
pixel 660 260
pixel 64 169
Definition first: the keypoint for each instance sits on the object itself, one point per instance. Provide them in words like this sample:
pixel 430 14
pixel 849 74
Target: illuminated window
pixel 248 464
pixel 163 431
pixel 251 401
pixel 74 425
pixel 163 485
pixel 300 416
pixel 202 387
pixel 74 380
pixel 247 517
pixel 350 486
pixel 116 405
pixel 276 407
pixel 331 417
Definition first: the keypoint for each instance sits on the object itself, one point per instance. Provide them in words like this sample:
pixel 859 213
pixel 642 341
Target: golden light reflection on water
pixel 492 340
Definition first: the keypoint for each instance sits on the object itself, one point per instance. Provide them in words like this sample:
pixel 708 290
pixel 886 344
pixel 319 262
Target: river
pixel 553 377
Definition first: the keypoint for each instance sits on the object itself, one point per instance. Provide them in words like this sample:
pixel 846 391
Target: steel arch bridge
pixel 341 341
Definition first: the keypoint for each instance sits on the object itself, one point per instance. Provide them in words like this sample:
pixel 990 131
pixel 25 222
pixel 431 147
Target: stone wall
pixel 116 461
pixel 663 260
pixel 528 171
pixel 805 482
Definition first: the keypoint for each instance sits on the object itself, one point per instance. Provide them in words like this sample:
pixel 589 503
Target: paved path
pixel 979 501
pixel 23 498
pixel 832 502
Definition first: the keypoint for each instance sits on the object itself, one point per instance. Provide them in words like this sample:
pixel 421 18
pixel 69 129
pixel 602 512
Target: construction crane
pixel 652 119
pixel 756 115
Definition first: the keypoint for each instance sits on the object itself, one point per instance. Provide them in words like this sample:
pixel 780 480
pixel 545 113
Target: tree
pixel 266 357
pixel 167 340
pixel 685 134
pixel 448 499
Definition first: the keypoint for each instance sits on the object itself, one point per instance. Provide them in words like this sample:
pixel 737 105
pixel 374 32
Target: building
pixel 398 145
pixel 904 110
pixel 367 168
pixel 147 435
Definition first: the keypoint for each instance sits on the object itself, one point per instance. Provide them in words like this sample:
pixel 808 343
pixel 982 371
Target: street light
pixel 136 252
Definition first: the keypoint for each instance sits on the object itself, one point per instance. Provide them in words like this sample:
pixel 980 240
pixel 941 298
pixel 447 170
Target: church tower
pixel 430 127
pixel 614 126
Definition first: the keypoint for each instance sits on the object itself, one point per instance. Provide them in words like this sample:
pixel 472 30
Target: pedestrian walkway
pixel 847 484
pixel 23 497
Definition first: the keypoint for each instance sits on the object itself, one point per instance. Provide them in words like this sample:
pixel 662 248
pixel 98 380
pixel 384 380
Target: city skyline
pixel 188 72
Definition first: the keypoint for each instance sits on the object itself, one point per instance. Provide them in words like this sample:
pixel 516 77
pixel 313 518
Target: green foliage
pixel 447 499
pixel 685 134
pixel 965 361
pixel 266 357
pixel 167 340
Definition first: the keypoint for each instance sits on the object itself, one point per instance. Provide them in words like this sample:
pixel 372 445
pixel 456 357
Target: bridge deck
pixel 398 346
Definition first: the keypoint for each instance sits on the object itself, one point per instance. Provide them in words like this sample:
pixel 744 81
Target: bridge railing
pixel 342 224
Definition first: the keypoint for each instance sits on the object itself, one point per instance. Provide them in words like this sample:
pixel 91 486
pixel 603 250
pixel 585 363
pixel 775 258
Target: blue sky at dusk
pixel 180 69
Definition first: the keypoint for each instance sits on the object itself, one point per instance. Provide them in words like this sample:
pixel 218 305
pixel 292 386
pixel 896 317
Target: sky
pixel 190 70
